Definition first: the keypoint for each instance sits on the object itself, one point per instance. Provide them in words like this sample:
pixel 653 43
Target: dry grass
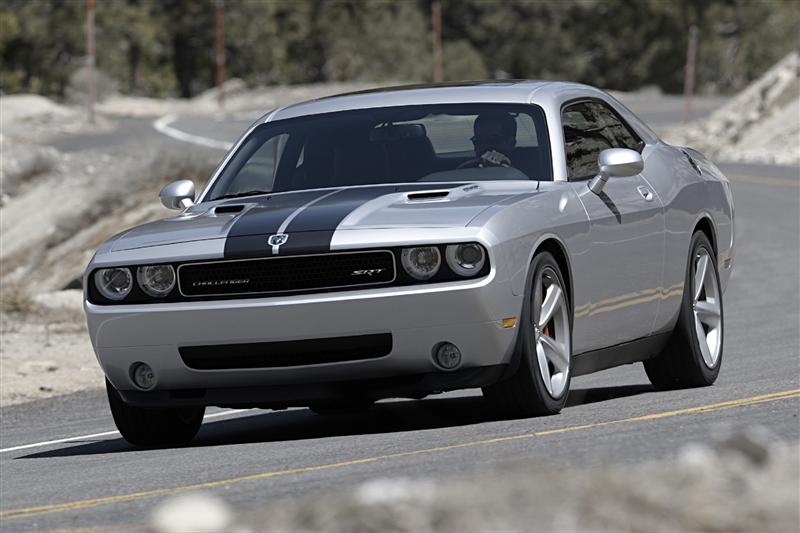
pixel 23 166
pixel 16 299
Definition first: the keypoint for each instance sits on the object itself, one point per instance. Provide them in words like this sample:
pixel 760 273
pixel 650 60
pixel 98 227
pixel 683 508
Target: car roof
pixel 485 91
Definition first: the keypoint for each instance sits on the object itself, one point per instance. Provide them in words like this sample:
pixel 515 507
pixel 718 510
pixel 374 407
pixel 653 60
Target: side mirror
pixel 615 163
pixel 177 194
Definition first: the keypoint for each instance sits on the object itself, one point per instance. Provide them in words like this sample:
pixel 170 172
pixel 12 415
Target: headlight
pixel 114 283
pixel 422 262
pixel 465 259
pixel 156 280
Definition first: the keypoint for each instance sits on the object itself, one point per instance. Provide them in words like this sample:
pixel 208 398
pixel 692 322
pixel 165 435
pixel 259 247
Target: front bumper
pixel 465 313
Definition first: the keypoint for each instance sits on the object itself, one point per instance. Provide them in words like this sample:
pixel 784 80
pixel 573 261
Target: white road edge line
pixel 162 125
pixel 104 434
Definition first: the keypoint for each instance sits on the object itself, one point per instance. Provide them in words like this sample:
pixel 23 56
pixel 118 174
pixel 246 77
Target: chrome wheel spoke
pixel 712 338
pixel 700 275
pixel 707 312
pixel 555 352
pixel 544 368
pixel 551 304
pixel 707 309
pixel 536 302
pixel 702 338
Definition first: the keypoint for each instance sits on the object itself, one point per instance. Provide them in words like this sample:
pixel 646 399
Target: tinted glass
pixel 614 128
pixel 259 171
pixel 451 134
pixel 391 145
pixel 590 128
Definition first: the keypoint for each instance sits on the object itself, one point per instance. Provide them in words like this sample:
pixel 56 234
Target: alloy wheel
pixel 552 340
pixel 706 307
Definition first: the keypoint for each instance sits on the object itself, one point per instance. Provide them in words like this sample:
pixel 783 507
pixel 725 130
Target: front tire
pixel 145 426
pixel 693 355
pixel 541 383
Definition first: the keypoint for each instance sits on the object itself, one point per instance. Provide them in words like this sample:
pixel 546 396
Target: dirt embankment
pixel 57 209
pixel 760 125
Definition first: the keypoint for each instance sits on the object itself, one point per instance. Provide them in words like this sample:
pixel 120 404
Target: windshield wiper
pixel 240 194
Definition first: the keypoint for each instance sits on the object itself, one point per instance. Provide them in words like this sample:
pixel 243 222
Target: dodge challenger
pixel 503 235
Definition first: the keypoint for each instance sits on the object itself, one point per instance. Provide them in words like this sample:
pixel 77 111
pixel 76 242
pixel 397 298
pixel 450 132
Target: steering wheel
pixel 490 158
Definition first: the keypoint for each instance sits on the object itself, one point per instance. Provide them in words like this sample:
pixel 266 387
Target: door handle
pixel 646 193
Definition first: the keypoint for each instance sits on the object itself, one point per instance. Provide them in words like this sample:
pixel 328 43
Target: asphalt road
pixel 252 457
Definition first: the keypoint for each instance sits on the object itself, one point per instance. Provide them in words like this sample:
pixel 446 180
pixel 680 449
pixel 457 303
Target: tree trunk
pixel 182 65
pixel 134 61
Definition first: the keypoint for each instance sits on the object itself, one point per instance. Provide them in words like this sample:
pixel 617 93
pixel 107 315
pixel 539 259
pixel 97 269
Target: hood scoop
pixel 427 195
pixel 227 209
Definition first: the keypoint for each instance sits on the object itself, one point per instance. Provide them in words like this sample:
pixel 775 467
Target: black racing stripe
pixel 248 235
pixel 266 217
pixel 247 246
pixel 328 213
pixel 252 246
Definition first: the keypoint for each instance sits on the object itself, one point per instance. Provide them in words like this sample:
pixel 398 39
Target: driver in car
pixel 495 137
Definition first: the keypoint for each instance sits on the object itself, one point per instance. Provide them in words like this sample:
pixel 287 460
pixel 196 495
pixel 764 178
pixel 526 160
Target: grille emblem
pixel 276 241
pixel 221 282
pixel 367 272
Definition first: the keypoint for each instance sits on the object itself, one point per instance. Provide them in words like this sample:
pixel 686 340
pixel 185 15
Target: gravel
pixel 741 481
pixel 45 349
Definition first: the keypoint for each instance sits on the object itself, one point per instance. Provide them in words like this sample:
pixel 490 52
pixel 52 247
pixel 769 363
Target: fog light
pixel 447 355
pixel 143 376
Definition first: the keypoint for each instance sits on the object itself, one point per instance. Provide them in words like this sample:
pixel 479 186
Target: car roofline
pixel 486 91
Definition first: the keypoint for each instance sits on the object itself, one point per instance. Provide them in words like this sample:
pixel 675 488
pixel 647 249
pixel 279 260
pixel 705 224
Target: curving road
pixel 62 464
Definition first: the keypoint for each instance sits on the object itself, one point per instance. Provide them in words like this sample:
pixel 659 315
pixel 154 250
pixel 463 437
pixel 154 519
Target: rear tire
pixel 693 355
pixel 145 426
pixel 541 382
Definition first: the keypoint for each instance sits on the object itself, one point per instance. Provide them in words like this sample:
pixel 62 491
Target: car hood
pixel 321 212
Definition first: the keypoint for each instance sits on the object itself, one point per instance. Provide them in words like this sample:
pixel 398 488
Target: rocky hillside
pixel 759 125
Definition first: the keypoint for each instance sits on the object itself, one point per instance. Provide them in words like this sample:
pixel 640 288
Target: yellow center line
pixel 83 504
pixel 766 180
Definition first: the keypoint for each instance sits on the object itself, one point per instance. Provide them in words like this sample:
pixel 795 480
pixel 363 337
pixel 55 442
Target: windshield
pixel 427 143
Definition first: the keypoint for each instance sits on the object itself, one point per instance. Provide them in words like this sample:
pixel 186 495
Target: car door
pixel 618 295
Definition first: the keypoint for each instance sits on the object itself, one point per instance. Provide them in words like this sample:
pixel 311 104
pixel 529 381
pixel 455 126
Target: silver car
pixel 401 242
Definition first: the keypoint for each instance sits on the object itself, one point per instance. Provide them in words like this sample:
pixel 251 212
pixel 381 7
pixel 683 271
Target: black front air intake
pixel 286 353
pixel 277 275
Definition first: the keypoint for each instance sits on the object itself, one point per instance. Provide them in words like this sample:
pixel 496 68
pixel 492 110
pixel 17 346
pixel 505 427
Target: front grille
pixel 286 274
pixel 286 353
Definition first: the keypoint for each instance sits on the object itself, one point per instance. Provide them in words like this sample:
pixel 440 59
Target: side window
pixel 584 139
pixel 622 135
pixel 590 128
